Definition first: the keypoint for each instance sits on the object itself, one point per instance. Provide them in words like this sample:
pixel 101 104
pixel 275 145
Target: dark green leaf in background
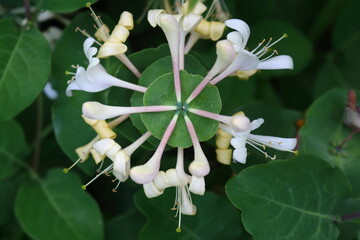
pixel 215 218
pixel 126 226
pixel 13 148
pixel 24 67
pixel 62 6
pixel 289 199
pixel 324 131
pixel 57 208
pixel 327 78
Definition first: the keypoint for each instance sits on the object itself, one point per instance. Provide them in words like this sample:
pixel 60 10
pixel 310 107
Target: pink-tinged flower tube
pixel 146 173
pixel 96 110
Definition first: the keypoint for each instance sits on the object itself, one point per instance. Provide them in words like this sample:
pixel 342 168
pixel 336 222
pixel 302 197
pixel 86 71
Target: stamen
pixel 97 19
pixel 272 54
pixel 69 73
pixel 99 169
pixel 98 175
pixel 282 37
pixel 117 185
pixel 66 170
pixel 211 10
pixel 261 43
pixel 86 34
pixel 263 152
pixel 71 80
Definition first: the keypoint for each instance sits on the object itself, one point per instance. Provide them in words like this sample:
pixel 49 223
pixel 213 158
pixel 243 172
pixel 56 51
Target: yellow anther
pixel 178 230
pixel 285 35
pixel 83 187
pixel 65 170
pixel 296 152
pixel 88 4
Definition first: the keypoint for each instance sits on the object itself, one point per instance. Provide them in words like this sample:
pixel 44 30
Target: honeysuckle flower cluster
pixel 235 130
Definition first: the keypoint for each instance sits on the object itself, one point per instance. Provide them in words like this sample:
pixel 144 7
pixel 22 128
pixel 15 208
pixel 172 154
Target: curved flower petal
pixel 282 144
pixel 278 62
pixel 153 16
pixel 241 27
pixel 240 155
pixel 190 21
pixel 256 123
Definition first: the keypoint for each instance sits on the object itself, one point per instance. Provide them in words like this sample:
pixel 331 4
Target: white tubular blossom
pixel 197 185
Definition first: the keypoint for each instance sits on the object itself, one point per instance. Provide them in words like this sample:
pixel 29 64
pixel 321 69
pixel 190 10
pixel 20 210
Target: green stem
pixel 38 133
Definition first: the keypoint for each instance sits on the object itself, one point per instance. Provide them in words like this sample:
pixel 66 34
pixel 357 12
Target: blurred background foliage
pixel 38 135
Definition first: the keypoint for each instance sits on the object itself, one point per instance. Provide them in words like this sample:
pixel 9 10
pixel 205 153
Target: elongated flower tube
pixel 199 167
pixel 246 60
pixel 225 55
pixel 95 78
pixel 146 173
pixel 96 110
pixel 241 138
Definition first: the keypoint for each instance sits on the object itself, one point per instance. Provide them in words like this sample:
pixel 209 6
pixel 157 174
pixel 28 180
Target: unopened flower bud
pixel 197 185
pixel 224 156
pixel 151 190
pixel 126 20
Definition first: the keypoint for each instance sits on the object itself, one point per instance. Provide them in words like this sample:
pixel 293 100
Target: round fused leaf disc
pixel 162 92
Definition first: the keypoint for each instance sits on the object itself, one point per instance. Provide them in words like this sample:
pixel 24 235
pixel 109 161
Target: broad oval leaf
pixel 324 131
pixel 289 199
pixel 13 148
pixel 24 67
pixel 215 218
pixel 57 208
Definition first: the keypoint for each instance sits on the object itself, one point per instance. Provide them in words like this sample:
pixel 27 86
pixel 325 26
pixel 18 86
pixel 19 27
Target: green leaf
pixel 151 73
pixel 324 131
pixel 57 208
pixel 215 218
pixel 70 130
pixel 296 45
pixel 24 67
pixel 62 6
pixel 347 28
pixel 126 226
pixel 289 199
pixel 162 92
pixel 13 148
pixel 327 78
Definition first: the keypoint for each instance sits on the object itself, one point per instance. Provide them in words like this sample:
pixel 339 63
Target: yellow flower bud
pixel 102 33
pixel 126 20
pixel 119 34
pixel 101 127
pixel 224 156
pixel 216 30
pixel 111 49
pixel 203 28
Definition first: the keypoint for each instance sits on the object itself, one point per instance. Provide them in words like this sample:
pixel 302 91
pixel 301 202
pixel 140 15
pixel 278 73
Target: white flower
pixel 241 138
pixel 251 60
pixel 95 78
